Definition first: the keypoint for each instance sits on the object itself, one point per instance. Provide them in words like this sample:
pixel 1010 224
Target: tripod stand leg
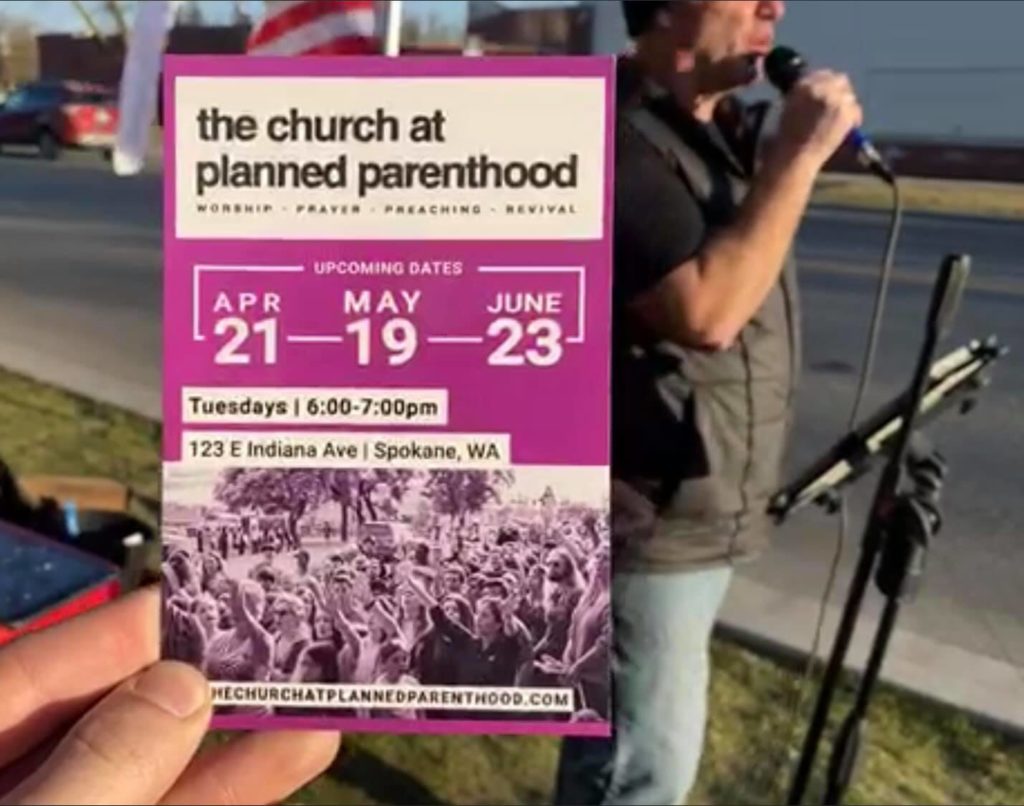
pixel 913 522
pixel 840 648
pixel 846 753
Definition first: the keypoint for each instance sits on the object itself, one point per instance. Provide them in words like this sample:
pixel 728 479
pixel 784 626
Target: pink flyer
pixel 386 390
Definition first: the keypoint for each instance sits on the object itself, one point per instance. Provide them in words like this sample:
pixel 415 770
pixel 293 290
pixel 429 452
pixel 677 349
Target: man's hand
pixel 90 717
pixel 820 111
pixel 707 300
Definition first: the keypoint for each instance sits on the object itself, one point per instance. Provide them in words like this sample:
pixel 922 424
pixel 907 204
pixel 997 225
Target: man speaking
pixel 706 354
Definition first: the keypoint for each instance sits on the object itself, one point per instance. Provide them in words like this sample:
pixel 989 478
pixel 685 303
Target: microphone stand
pixel 955 381
pixel 904 519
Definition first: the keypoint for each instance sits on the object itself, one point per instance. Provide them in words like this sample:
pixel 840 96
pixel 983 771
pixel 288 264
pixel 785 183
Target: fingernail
pixel 173 687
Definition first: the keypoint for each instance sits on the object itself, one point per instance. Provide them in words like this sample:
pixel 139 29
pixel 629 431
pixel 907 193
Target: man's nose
pixel 772 9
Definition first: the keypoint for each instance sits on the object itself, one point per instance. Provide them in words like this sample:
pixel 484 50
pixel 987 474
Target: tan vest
pixel 700 436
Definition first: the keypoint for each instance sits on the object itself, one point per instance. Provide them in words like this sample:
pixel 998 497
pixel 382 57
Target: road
pixel 80 305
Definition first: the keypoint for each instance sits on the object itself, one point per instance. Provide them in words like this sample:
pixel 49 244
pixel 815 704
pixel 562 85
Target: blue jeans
pixel 663 626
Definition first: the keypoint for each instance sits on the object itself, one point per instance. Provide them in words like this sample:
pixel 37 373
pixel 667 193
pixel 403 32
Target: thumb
pixel 131 747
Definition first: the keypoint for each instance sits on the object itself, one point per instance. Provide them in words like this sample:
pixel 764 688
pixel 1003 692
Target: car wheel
pixel 49 147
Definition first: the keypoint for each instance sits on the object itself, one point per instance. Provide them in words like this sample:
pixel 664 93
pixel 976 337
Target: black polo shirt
pixel 658 223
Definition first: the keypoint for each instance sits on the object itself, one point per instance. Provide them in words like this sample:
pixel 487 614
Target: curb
pixel 911 212
pixel 787 655
pixel 987 691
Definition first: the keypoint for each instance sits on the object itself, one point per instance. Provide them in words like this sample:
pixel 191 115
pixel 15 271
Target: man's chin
pixel 757 68
pixel 740 72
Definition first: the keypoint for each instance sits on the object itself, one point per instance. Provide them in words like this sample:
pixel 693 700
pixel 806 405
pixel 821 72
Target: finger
pixel 820 74
pixel 50 677
pixel 13 774
pixel 131 747
pixel 257 768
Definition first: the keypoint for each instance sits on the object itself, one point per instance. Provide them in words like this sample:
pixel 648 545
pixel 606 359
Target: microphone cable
pixel 803 686
pixel 881 295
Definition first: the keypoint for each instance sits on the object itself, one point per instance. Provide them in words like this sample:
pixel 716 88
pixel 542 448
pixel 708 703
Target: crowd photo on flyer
pixel 440 578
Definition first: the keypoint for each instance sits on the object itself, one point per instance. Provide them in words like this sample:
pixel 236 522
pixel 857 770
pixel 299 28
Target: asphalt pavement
pixel 80 301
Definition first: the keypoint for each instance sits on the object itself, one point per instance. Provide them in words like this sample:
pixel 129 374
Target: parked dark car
pixel 57 115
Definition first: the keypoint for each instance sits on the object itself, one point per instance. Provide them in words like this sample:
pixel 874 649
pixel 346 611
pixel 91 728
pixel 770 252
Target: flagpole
pixel 393 29
pixel 139 84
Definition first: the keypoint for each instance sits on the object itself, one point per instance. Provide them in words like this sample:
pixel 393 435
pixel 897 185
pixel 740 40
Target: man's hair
pixel 640 15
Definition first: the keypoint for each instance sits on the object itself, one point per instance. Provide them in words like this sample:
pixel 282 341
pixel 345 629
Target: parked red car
pixel 58 115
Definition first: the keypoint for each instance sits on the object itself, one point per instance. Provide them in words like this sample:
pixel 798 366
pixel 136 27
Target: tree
pixel 117 15
pixel 190 14
pixel 457 493
pixel 355 491
pixel 436 29
pixel 19 55
pixel 391 486
pixel 238 14
pixel 340 486
pixel 412 30
pixel 272 492
pixel 88 19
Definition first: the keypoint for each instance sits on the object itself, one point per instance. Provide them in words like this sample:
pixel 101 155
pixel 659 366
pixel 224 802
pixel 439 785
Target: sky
pixel 60 15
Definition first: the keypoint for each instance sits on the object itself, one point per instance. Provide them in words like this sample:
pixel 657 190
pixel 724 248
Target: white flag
pixel 139 83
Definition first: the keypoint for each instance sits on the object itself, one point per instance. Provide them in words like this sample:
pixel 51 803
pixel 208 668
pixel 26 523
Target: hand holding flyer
pixel 386 384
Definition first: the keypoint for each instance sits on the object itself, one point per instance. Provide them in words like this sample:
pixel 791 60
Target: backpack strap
pixel 686 162
pixel 718 192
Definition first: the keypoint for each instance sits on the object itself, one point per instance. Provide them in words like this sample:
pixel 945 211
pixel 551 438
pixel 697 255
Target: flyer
pixel 386 390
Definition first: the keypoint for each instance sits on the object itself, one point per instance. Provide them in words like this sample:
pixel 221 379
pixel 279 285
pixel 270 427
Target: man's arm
pixel 705 299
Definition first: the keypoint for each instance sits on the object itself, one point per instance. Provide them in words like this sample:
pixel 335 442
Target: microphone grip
pixel 869 157
pixel 859 140
pixel 784 67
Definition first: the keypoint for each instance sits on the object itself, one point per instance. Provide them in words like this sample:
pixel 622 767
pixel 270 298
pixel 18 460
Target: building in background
pixel 942 83
pixel 477 10
pixel 566 29
pixel 88 58
pixel 943 71
pixel 80 58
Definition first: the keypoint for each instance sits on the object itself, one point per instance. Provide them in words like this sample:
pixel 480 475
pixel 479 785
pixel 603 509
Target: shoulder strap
pixel 673 149
pixel 717 193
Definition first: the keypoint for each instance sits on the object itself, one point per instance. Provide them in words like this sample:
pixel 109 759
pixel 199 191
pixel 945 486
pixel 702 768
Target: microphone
pixel 784 67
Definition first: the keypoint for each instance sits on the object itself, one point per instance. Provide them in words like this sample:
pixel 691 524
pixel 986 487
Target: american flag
pixel 289 28
pixel 316 27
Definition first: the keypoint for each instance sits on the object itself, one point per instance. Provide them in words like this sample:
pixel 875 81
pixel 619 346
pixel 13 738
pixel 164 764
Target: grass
pixel 924 195
pixel 47 431
pixel 918 752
